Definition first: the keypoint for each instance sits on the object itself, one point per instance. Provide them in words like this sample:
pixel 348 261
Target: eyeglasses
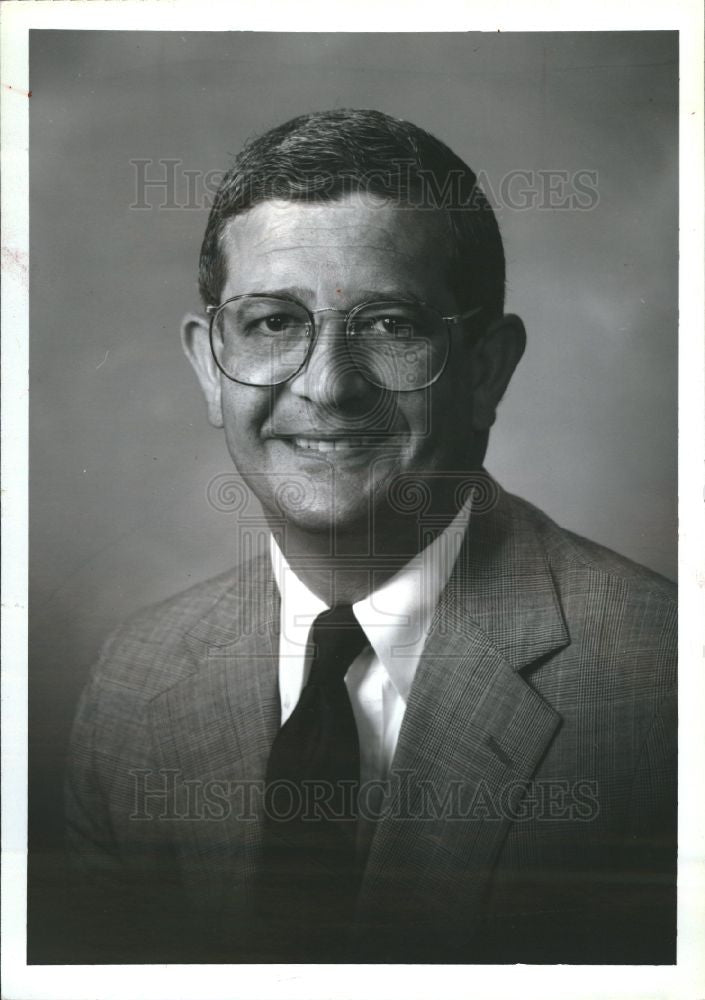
pixel 265 340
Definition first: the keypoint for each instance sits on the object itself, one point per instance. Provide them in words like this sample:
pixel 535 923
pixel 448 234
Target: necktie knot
pixel 336 640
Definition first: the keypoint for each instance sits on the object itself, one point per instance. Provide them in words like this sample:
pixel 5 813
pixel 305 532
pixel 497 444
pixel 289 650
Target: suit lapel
pixel 473 730
pixel 215 729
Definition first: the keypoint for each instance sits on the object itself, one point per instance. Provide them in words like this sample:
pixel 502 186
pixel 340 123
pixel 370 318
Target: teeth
pixel 328 444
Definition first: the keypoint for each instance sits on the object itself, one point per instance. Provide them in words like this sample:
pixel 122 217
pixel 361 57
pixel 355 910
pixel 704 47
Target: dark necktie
pixel 312 780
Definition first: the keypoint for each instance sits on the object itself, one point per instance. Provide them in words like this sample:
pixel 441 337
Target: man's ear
pixel 495 356
pixel 196 343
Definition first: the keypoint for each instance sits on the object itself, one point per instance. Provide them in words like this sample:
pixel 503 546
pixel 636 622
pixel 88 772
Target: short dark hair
pixel 324 155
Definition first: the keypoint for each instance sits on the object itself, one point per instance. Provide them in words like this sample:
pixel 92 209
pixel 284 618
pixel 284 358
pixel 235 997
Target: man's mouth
pixel 326 445
pixel 336 444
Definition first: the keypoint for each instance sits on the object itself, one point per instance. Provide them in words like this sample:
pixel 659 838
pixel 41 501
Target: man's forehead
pixel 363 223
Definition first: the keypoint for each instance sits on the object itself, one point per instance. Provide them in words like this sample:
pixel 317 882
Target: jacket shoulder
pixel 570 554
pixel 146 653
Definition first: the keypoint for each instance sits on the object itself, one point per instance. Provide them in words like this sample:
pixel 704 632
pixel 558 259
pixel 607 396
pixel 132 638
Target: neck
pixel 343 566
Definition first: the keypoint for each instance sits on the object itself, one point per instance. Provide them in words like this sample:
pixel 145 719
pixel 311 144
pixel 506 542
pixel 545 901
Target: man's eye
pixel 384 326
pixel 275 324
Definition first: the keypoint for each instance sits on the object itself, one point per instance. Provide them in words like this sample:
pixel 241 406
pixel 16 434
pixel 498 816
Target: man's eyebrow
pixel 297 291
pixel 358 294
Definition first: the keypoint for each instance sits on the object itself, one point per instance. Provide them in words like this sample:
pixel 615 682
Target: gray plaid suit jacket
pixel 533 819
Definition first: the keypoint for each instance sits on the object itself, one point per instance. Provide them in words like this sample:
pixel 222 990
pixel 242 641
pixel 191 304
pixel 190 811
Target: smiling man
pixel 344 346
pixel 426 724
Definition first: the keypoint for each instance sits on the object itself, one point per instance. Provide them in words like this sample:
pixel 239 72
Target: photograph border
pixel 20 981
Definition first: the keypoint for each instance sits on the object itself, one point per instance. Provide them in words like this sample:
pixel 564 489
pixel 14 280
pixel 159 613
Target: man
pixel 423 723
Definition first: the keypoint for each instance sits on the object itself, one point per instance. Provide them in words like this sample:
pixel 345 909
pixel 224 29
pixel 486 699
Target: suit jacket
pixel 532 815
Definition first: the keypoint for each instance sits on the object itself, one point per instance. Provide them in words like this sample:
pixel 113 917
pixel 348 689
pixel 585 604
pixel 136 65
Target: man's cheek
pixel 243 424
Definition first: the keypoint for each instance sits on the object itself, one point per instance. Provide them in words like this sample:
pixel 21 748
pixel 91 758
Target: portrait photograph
pixel 353 524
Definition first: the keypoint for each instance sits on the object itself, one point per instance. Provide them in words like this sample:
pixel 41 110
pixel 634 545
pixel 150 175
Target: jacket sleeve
pixel 92 852
pixel 123 897
pixel 650 847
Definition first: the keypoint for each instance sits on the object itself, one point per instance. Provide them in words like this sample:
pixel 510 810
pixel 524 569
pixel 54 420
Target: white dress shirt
pixel 395 619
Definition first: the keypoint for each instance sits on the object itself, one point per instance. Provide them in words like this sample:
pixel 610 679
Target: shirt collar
pixel 395 617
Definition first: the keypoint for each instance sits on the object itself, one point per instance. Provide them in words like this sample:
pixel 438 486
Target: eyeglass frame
pixel 213 310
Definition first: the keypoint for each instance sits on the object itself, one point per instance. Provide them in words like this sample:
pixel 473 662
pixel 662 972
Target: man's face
pixel 327 434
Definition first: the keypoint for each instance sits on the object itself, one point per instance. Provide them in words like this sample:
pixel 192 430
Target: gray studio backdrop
pixel 121 455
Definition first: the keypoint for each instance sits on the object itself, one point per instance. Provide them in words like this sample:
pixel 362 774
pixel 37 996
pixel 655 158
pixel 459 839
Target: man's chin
pixel 327 520
pixel 318 496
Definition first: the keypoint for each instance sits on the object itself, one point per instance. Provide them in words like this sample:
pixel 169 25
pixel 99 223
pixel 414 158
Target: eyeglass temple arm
pixel 459 317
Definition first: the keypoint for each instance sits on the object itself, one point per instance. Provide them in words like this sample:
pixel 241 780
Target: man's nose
pixel 329 377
